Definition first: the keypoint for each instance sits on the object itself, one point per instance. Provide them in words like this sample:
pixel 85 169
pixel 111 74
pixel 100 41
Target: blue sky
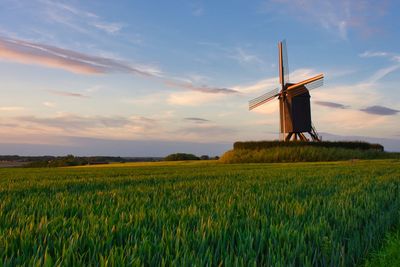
pixel 183 71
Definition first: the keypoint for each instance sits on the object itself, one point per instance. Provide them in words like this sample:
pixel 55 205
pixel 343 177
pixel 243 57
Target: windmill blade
pixel 263 98
pixel 315 84
pixel 285 62
pixel 306 87
pixel 307 82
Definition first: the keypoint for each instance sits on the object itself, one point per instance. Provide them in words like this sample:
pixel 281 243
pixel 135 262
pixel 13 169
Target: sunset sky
pixel 148 78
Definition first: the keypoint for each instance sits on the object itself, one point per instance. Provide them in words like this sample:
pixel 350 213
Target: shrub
pixel 270 144
pixel 180 156
pixel 301 154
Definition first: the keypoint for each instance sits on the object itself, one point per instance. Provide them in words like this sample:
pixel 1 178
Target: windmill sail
pixel 315 84
pixel 285 62
pixel 307 82
pixel 263 98
pixel 305 86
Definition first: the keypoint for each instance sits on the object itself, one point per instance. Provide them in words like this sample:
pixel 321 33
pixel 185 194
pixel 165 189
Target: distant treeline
pixel 185 156
pixel 257 145
pixel 70 160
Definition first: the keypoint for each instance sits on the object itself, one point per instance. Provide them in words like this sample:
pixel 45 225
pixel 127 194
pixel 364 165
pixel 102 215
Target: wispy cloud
pixel 55 57
pixel 111 28
pixel 204 132
pixel 374 54
pixel 202 89
pixel 65 93
pixel 331 104
pixel 245 57
pixel 77 18
pixel 380 110
pixel 196 120
pixel 49 104
pixel 11 108
pixel 338 16
pixel 392 56
pixel 90 126
pixel 198 11
pixel 192 98
pixel 273 82
pixel 383 72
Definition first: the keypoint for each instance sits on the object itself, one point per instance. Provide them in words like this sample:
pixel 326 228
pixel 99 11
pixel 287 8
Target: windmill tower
pixel 294 102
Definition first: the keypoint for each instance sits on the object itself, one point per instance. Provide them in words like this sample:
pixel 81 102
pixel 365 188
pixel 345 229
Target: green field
pixel 198 213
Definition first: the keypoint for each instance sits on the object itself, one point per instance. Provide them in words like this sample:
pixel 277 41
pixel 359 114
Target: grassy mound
pixel 301 154
pixel 339 144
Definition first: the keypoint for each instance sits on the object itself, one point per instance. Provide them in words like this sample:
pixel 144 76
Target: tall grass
pixel 306 214
pixel 389 254
pixel 328 144
pixel 301 154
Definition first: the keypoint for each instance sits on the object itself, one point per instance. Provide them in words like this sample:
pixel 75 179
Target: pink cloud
pixel 55 57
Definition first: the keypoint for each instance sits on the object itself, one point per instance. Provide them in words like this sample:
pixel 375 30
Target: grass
pixel 389 254
pixel 301 154
pixel 256 145
pixel 198 213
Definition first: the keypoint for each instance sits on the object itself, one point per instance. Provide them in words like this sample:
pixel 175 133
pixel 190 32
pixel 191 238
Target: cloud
pixel 383 72
pixel 50 56
pixel 25 52
pixel 380 110
pixel 198 11
pixel 270 83
pixel 374 54
pixel 11 108
pixel 49 104
pixel 76 122
pixel 77 19
pixel 67 8
pixel 191 98
pixel 109 127
pixel 146 100
pixel 206 133
pixel 331 104
pixel 337 16
pixel 392 56
pixel 196 120
pixel 245 57
pixel 64 93
pixel 118 127
pixel 111 28
pixel 202 89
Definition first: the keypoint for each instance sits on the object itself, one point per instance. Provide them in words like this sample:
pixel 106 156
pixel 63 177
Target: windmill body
pixel 297 113
pixel 294 102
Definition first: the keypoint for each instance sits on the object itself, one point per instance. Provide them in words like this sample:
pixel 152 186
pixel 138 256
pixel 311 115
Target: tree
pixel 180 156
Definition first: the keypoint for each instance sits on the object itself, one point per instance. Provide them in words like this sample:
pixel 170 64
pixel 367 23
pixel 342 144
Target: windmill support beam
pixel 303 137
pixel 287 138
pixel 314 137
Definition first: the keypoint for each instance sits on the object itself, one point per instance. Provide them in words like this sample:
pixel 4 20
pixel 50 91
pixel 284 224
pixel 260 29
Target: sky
pixel 134 78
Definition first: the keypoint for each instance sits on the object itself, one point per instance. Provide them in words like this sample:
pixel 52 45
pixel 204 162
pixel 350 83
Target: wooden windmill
pixel 294 102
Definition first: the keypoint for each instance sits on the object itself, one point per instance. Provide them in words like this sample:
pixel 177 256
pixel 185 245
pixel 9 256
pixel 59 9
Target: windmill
pixel 294 102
